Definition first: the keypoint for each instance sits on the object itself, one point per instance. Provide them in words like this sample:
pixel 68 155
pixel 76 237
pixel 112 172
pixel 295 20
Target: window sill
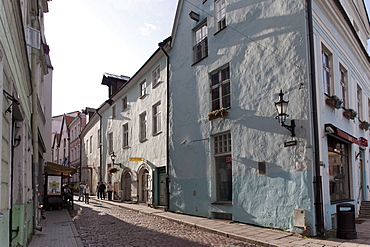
pixel 199 60
pixel 158 133
pixel 222 203
pixel 143 140
pixel 220 30
pixel 157 84
pixel 126 147
pixel 143 96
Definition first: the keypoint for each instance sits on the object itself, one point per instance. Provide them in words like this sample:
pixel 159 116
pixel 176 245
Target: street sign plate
pixel 136 159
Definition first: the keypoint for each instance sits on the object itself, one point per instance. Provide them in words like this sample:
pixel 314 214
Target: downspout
pixel 100 149
pixel 318 180
pixel 167 127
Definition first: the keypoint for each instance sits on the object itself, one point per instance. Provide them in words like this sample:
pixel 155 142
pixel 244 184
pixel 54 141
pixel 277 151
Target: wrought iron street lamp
pixel 281 108
pixel 113 157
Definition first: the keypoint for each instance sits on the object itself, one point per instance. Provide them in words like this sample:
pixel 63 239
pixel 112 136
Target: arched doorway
pixel 127 187
pixel 144 185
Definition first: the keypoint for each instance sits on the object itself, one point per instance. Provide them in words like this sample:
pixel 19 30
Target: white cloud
pixel 147 29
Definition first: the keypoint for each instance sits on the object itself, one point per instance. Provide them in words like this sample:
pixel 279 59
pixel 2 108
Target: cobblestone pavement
pixel 100 224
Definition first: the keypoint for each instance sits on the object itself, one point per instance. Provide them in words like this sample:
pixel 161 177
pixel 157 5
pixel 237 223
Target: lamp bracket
pixel 290 127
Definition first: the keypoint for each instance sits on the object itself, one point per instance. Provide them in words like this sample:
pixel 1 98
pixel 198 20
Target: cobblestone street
pixel 102 224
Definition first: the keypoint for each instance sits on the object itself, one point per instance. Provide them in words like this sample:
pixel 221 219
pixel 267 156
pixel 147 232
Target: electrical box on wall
pixel 300 217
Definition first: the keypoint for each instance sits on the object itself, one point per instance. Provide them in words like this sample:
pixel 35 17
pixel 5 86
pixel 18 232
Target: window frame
pixel 156 76
pixel 143 126
pixel 200 47
pixel 143 88
pixel 220 9
pixel 156 116
pixel 343 75
pixel 359 102
pixel 327 68
pixel 110 142
pixel 125 135
pixel 124 103
pixel 221 85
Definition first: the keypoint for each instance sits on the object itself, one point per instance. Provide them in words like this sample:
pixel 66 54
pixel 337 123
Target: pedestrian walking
pixel 86 191
pixel 102 188
pixel 81 188
pixel 97 190
pixel 110 191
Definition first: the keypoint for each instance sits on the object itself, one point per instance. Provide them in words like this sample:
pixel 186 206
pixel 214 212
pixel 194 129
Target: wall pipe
pixel 161 46
pixel 318 180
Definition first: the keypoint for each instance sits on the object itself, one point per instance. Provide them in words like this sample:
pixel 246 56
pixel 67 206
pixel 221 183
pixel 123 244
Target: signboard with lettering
pixel 136 159
pixel 290 143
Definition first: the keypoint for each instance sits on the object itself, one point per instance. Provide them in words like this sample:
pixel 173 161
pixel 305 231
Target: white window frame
pixel 222 87
pixel 157 127
pixel 125 138
pixel 200 48
pixel 343 74
pixel 143 88
pixel 327 66
pixel 220 8
pixel 359 103
pixel 156 76
pixel 110 142
pixel 124 103
pixel 142 126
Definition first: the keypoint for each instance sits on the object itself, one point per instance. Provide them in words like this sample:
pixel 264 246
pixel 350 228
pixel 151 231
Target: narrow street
pixel 101 224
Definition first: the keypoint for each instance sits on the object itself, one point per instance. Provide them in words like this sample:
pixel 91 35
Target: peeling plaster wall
pixel 265 46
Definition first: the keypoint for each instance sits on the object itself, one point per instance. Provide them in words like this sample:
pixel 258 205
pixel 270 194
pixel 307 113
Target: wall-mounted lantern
pixel 281 108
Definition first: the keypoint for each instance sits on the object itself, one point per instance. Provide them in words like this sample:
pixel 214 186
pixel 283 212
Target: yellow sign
pixel 136 159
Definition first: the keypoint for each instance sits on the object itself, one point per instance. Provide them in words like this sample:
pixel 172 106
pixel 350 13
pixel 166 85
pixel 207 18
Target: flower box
pixel 364 125
pixel 334 102
pixel 217 113
pixel 112 170
pixel 349 113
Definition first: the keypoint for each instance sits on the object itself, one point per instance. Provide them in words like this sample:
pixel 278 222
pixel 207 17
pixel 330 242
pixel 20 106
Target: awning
pixel 56 169
pixel 343 134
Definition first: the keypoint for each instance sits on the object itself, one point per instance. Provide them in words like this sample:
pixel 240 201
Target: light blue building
pixel 229 156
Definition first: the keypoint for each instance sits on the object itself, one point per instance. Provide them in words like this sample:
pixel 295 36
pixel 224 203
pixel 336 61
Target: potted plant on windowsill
pixel 364 125
pixel 334 102
pixel 349 113
pixel 217 113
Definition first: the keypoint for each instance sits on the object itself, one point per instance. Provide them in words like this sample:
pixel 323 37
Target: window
pixel 156 75
pixel 359 102
pixel 326 71
pixel 223 167
pixel 143 88
pixel 339 182
pixel 220 89
pixel 368 108
pixel 99 138
pixel 124 103
pixel 125 135
pixel 87 146
pixel 91 143
pixel 200 49
pixel 344 85
pixel 156 118
pixel 142 125
pixel 110 143
pixel 114 111
pixel 220 8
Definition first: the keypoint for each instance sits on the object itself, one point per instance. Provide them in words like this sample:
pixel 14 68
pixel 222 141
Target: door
pixel 127 191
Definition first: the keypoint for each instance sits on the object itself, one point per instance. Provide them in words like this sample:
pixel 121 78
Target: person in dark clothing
pixel 102 188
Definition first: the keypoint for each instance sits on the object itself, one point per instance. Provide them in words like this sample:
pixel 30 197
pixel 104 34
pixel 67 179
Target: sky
pixel 88 38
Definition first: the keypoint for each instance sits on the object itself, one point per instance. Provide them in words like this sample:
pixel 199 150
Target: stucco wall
pixel 264 45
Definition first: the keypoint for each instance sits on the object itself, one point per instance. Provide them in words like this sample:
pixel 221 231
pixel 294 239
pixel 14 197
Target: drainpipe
pixel 167 126
pixel 100 149
pixel 318 179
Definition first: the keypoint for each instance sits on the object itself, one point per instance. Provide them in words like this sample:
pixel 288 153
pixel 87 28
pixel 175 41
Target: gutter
pixel 161 45
pixel 317 179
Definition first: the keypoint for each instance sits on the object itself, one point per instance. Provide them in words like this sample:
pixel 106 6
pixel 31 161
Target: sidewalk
pixel 59 230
